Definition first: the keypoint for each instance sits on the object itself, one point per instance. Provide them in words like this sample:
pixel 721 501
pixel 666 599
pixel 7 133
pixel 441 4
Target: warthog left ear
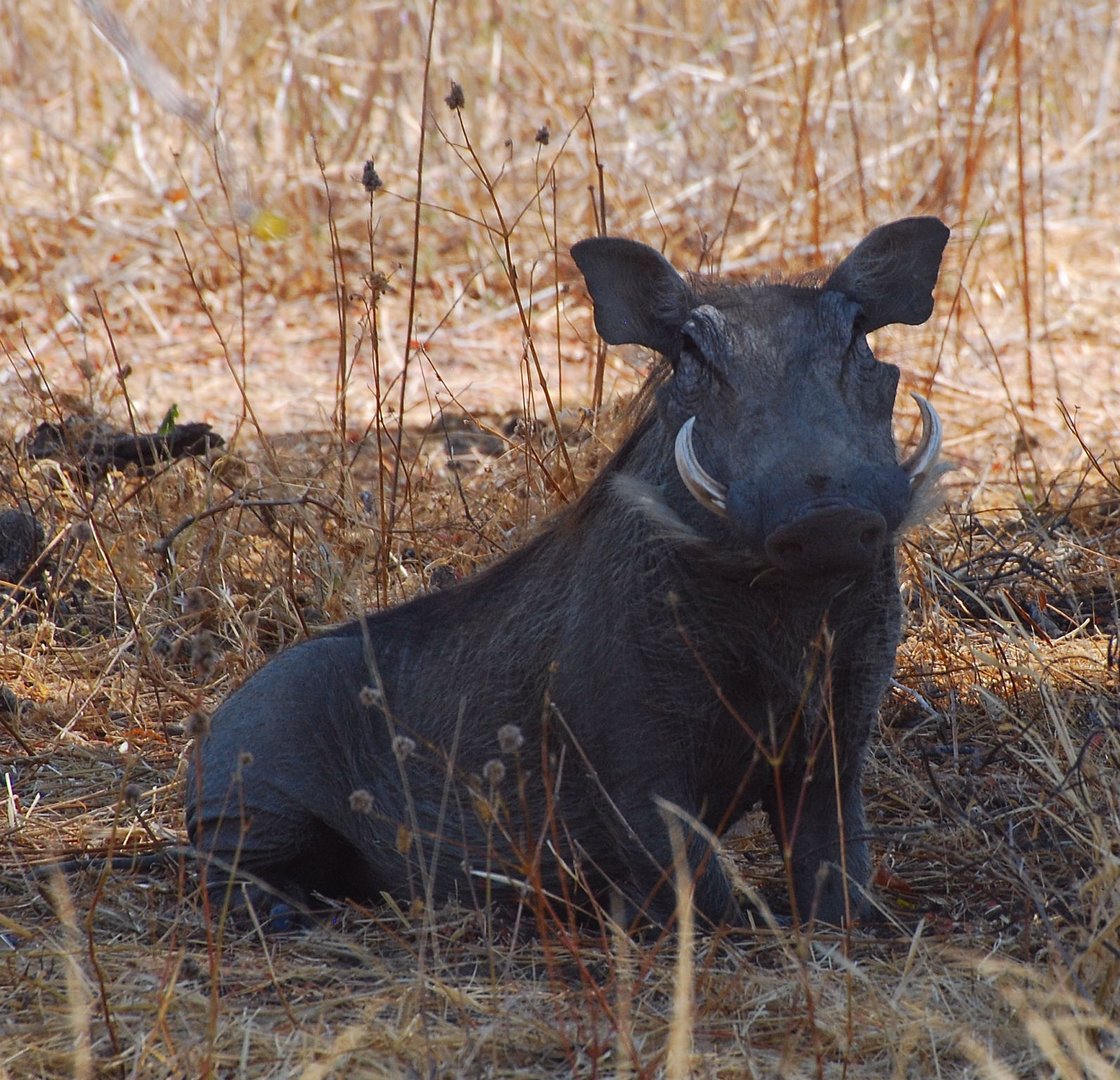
pixel 892 272
pixel 639 298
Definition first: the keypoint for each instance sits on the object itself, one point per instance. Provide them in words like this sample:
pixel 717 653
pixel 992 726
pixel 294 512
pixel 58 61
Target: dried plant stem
pixel 394 503
pixel 678 1052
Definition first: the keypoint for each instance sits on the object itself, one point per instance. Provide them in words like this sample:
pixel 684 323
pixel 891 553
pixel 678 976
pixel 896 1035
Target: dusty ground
pixel 151 258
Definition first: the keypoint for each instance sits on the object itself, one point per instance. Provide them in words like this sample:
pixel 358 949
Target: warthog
pixel 711 626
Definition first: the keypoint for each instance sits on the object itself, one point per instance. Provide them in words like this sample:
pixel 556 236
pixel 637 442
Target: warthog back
pixel 711 627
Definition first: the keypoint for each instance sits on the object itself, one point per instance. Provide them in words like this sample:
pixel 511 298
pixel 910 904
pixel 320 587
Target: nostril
pixel 833 540
pixel 788 548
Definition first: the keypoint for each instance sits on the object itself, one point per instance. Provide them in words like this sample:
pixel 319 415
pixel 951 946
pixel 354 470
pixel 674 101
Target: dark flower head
pixel 455 100
pixel 370 180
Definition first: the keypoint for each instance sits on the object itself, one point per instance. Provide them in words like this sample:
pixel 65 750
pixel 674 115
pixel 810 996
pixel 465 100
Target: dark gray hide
pixel 655 644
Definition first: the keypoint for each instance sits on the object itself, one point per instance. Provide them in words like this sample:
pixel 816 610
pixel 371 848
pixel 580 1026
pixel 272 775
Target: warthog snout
pixel 828 540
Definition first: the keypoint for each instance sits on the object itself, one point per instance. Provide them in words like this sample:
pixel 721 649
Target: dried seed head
pixel 197 725
pixel 510 739
pixel 81 532
pixel 203 654
pixel 455 100
pixel 543 135
pixel 494 771
pixel 441 577
pixel 371 697
pixel 167 647
pixel 361 801
pixel 132 794
pixel 370 180
pixel 244 759
pixel 403 747
pixel 377 283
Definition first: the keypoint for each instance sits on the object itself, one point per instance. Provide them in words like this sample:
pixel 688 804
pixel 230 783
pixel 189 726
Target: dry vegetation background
pixel 190 228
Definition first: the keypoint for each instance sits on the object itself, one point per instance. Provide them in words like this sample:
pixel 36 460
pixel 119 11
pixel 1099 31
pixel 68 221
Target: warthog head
pixel 781 411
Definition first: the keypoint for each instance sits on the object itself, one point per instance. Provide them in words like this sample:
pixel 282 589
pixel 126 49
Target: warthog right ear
pixel 639 298
pixel 892 272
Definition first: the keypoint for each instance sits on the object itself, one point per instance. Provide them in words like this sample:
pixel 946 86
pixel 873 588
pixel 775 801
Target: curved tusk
pixel 918 465
pixel 709 493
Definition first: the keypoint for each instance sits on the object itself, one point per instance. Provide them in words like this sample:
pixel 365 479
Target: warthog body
pixel 710 627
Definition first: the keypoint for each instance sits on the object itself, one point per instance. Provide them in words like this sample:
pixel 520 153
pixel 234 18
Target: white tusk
pixel 709 493
pixel 918 465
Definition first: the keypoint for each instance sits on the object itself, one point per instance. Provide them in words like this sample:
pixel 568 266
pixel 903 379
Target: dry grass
pixel 149 258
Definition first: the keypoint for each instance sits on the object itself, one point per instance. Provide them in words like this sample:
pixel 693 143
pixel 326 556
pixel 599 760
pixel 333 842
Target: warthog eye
pixel 692 374
pixel 702 336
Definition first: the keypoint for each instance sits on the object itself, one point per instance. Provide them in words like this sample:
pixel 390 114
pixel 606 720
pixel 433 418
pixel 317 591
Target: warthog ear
pixel 639 298
pixel 892 272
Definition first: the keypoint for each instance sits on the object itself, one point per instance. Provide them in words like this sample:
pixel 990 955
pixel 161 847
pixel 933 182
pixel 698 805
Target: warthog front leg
pixel 823 838
pixel 670 834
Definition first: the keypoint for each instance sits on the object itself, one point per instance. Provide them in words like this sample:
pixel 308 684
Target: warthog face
pixel 782 412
